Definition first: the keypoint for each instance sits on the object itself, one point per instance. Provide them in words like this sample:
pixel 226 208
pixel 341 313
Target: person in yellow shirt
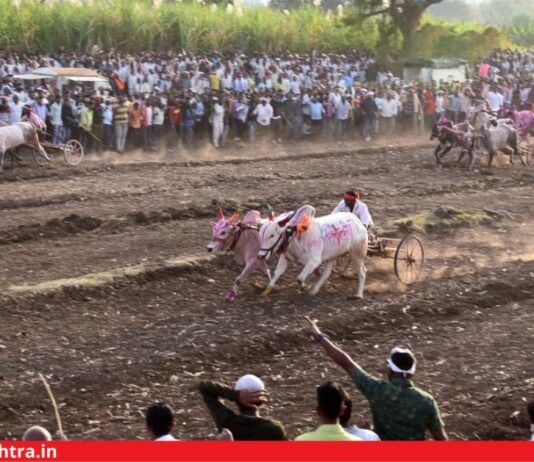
pixel 215 80
pixel 86 123
pixel 330 407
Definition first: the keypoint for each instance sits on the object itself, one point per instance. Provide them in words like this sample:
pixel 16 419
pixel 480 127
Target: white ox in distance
pixel 310 241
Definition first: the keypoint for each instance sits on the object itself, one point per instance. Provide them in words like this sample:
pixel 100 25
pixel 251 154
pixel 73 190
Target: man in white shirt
pixel 160 422
pixel 107 121
pixel 389 110
pixel 15 110
pixel 495 99
pixel 217 121
pixel 264 113
pixel 351 203
pixel 56 120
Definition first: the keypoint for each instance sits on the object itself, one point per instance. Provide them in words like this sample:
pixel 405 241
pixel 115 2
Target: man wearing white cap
pixel 249 394
pixel 400 410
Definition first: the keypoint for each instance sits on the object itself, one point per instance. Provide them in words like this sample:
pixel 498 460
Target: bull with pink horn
pixel 241 238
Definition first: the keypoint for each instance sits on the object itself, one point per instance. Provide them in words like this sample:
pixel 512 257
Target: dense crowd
pixel 164 100
pixel 400 410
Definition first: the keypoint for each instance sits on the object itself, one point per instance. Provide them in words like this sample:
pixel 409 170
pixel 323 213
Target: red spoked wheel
pixel 73 152
pixel 409 259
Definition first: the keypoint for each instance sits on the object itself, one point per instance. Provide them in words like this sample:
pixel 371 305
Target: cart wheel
pixel 73 152
pixel 409 260
pixel 39 159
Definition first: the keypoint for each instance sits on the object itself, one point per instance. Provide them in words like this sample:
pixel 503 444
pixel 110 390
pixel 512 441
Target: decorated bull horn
pixel 271 212
pixel 220 214
pixel 304 225
pixel 234 218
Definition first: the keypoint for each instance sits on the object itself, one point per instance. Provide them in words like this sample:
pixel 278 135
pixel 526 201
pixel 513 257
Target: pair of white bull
pixel 298 237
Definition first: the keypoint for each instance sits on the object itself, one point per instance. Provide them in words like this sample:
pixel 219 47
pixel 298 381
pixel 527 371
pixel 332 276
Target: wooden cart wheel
pixel 38 158
pixel 73 152
pixel 409 259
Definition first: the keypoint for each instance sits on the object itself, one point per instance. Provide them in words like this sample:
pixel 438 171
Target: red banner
pixel 110 451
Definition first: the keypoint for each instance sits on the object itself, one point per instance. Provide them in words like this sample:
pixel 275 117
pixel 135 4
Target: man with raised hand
pixel 400 410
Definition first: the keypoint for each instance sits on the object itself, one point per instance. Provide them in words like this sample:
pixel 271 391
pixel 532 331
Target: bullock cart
pixel 72 150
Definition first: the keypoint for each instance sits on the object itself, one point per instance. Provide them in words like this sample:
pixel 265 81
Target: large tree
pixel 405 14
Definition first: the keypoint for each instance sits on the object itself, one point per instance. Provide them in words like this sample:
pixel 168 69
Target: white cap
pixel 249 382
pixel 396 368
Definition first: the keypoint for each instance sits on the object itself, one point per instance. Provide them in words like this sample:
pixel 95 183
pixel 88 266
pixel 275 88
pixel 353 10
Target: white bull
pixel 310 241
pixel 13 136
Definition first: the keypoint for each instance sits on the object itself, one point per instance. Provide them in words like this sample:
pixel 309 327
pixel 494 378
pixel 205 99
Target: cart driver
pixel 351 203
pixel 29 115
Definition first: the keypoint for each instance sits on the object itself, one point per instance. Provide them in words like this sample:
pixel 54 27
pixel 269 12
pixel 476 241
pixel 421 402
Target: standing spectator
pixel 317 112
pixel 343 115
pixel 136 124
pixel 98 125
pixel 453 108
pixel 56 120
pixel 107 121
pixel 249 393
pixel 370 111
pixel 429 108
pixel 148 120
pixel 330 407
pixel 217 122
pixel 67 117
pixel 441 105
pixel 400 410
pixel 160 422
pixel 388 114
pixel 411 108
pixel 4 110
pixel 264 113
pixel 120 117
pixel 86 123
pixel 15 110
pixel 188 122
pixel 157 123
pixel 495 99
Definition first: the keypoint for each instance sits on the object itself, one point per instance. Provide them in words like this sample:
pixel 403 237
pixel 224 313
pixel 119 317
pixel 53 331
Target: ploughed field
pixel 107 289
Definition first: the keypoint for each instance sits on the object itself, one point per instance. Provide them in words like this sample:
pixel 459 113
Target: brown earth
pixel 133 329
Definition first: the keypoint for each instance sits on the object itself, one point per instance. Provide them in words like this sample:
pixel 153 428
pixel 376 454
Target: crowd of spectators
pixel 400 410
pixel 170 100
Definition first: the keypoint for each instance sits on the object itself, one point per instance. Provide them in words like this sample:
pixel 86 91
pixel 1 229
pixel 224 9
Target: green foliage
pixel 134 25
pixel 467 40
pixel 521 32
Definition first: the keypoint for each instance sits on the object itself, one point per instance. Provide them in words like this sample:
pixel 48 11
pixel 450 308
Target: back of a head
pixel 330 398
pixel 37 433
pixel 159 419
pixel 402 361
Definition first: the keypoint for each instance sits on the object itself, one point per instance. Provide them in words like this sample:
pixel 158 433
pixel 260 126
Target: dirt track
pixel 110 349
